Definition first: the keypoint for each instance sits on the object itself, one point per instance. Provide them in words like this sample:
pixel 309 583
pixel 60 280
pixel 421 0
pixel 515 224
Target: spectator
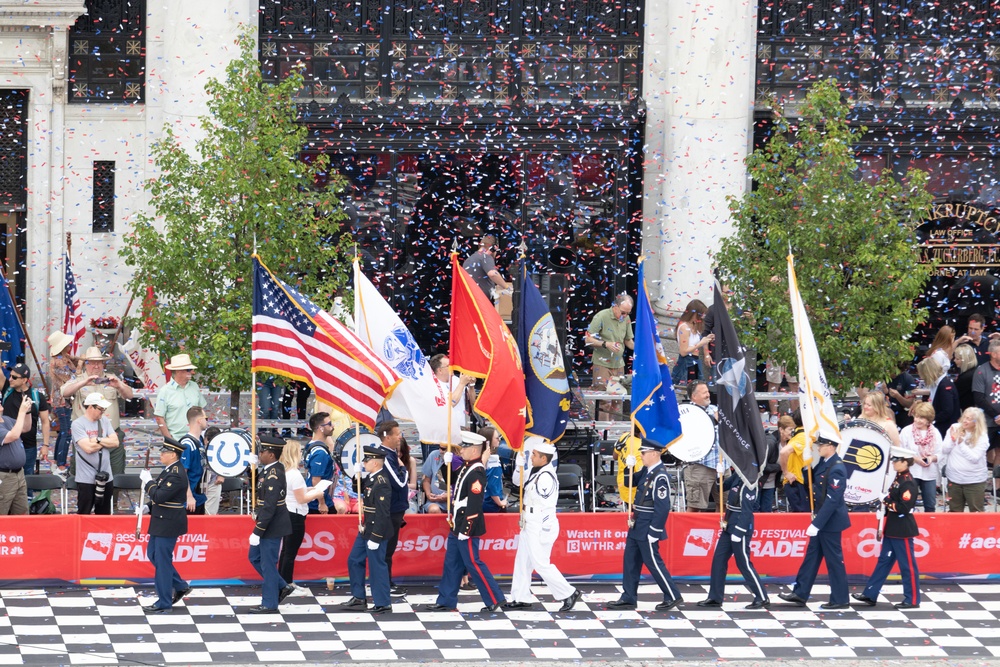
pixel 19 387
pixel 192 459
pixel 898 391
pixel 320 466
pixel 13 488
pixel 410 463
pixel 944 395
pixel 609 333
pixel 967 361
pixel 458 388
pixel 965 448
pixel 435 497
pixel 482 268
pixel 924 441
pixel 62 367
pixel 94 435
pixel 690 343
pixel 975 336
pixel 701 477
pixel 986 392
pixel 177 397
pixel 772 468
pixel 495 499
pixel 791 458
pixel 943 347
pixel 211 481
pixel 297 501
pixel 875 409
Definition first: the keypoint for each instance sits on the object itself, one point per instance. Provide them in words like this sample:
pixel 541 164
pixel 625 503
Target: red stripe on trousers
pixel 472 558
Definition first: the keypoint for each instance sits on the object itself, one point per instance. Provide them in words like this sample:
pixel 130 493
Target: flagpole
pixel 357 472
pixel 448 402
pixel 253 393
pixel 121 324
pixel 523 275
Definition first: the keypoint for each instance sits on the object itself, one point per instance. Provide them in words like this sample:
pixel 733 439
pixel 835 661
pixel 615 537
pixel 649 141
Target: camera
pixel 100 484
pixel 102 380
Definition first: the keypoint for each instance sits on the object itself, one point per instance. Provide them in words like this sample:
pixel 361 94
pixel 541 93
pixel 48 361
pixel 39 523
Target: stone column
pixel 699 68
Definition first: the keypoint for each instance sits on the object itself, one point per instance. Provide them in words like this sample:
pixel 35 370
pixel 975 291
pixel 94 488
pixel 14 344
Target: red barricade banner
pixel 74 548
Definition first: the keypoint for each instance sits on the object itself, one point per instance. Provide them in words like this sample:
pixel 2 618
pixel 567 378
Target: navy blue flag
pixel 741 434
pixel 545 382
pixel 10 328
pixel 654 405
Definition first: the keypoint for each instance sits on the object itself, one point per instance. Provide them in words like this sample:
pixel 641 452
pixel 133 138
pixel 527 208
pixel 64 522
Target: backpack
pixel 42 503
pixel 34 395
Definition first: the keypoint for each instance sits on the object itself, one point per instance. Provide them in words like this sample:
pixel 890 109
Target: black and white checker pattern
pixel 106 626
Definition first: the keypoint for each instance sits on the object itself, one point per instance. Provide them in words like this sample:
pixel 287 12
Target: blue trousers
pixel 767 500
pixel 378 571
pixel 797 496
pixel 461 557
pixel 62 440
pixel 264 559
pixel 896 550
pixel 724 550
pixel 823 547
pixel 639 552
pixel 928 494
pixel 160 552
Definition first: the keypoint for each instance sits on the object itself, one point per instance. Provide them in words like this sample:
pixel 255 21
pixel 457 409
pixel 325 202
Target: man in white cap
pixel 95 439
pixel 177 397
pixel 539 528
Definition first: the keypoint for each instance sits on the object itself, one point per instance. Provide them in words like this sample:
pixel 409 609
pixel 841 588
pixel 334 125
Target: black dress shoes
pixel 384 609
pixel 863 600
pixel 793 598
pixel 438 607
pixel 571 601
pixel 285 592
pixel 158 610
pixel 620 604
pixel 261 609
pixel 906 605
pixel 709 603
pixel 517 605
pixel 491 608
pixel 758 604
pixel 668 605
pixel 830 606
pixel 354 603
pixel 179 595
pixel 396 590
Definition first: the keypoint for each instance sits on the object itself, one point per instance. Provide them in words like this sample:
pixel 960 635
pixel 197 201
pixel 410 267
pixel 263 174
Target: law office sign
pixel 963 238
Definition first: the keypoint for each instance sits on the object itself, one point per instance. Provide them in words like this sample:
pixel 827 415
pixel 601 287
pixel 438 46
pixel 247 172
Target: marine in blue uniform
pixel 734 541
pixel 829 482
pixel 467 525
pixel 647 528
pixel 271 525
pixel 897 537
pixel 373 536
pixel 167 521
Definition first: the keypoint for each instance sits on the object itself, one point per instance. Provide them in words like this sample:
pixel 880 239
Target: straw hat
pixel 58 341
pixel 94 354
pixel 180 362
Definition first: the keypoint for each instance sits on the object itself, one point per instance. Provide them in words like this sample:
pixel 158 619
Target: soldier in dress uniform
pixel 897 537
pixel 373 535
pixel 539 529
pixel 272 524
pixel 734 541
pixel 829 482
pixel 167 496
pixel 647 526
pixel 467 525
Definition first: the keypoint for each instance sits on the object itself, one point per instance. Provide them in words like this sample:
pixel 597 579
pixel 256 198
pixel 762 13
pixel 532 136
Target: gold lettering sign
pixel 955 249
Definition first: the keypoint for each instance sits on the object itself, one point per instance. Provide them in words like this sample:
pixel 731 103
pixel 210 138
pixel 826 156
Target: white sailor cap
pixel 545 447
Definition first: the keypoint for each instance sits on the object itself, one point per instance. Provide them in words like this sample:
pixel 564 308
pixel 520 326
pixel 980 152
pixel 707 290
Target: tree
pixel 856 253
pixel 246 187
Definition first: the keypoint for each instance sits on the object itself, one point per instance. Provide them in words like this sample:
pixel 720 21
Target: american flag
pixel 73 321
pixel 294 338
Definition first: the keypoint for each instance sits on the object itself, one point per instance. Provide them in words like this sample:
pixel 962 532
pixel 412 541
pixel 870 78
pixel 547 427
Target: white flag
pixel 145 363
pixel 419 397
pixel 819 419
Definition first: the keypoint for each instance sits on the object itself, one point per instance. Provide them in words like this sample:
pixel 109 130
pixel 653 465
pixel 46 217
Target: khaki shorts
pixel 698 483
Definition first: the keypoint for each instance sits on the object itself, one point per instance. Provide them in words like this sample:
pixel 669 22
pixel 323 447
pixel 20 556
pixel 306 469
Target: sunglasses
pixel 16 377
pixel 326 425
pixel 97 407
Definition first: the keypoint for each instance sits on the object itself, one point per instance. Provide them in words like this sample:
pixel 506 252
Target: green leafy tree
pixel 856 254
pixel 247 186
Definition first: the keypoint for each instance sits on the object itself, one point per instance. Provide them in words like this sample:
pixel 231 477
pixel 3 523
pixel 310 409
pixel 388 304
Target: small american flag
pixel 73 321
pixel 294 338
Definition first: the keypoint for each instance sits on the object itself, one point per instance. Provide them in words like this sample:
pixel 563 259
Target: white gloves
pixel 735 538
pixel 462 537
pixel 253 460
pixel 720 468
pixel 254 540
pixel 519 460
pixel 879 515
pixel 448 456
pixel 812 531
pixel 324 484
pixel 146 477
pixel 629 461
pixel 372 546
pixel 652 539
pixel 140 509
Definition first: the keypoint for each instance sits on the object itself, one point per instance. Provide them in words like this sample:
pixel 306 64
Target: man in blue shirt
pixel 319 462
pixel 191 458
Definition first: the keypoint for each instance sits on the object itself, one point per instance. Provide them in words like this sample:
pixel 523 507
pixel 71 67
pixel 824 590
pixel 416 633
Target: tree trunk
pixel 234 408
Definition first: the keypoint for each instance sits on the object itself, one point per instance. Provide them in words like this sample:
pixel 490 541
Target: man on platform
pixel 13 488
pixel 825 531
pixel 273 523
pixel 734 540
pixel 13 396
pixel 399 479
pixel 647 526
pixel 373 536
pixel 319 462
pixel 539 530
pixel 191 459
pixel 986 393
pixel 975 335
pixel 167 496
pixel 467 526
pixel 702 476
pixel 609 333
pixel 482 267
pixel 177 397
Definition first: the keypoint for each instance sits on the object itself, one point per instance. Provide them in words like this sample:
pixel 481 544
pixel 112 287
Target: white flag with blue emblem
pixel 420 397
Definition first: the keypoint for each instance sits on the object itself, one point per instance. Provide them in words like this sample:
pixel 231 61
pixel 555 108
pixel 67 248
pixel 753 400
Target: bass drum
pixel 698 434
pixel 346 448
pixel 229 452
pixel 864 448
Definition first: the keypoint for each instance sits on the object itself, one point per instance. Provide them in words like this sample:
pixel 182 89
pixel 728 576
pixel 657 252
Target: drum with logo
pixel 229 452
pixel 698 434
pixel 864 448
pixel 347 446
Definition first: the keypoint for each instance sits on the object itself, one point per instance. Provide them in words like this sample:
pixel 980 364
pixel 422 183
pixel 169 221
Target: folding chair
pixel 48 483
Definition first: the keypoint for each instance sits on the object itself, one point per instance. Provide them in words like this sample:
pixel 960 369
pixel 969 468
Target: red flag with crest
pixel 482 346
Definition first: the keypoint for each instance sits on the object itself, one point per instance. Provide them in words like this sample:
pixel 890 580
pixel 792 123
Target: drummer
pixel 701 477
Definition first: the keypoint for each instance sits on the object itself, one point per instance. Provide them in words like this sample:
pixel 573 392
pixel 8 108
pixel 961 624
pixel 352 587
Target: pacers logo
pixel 867 457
